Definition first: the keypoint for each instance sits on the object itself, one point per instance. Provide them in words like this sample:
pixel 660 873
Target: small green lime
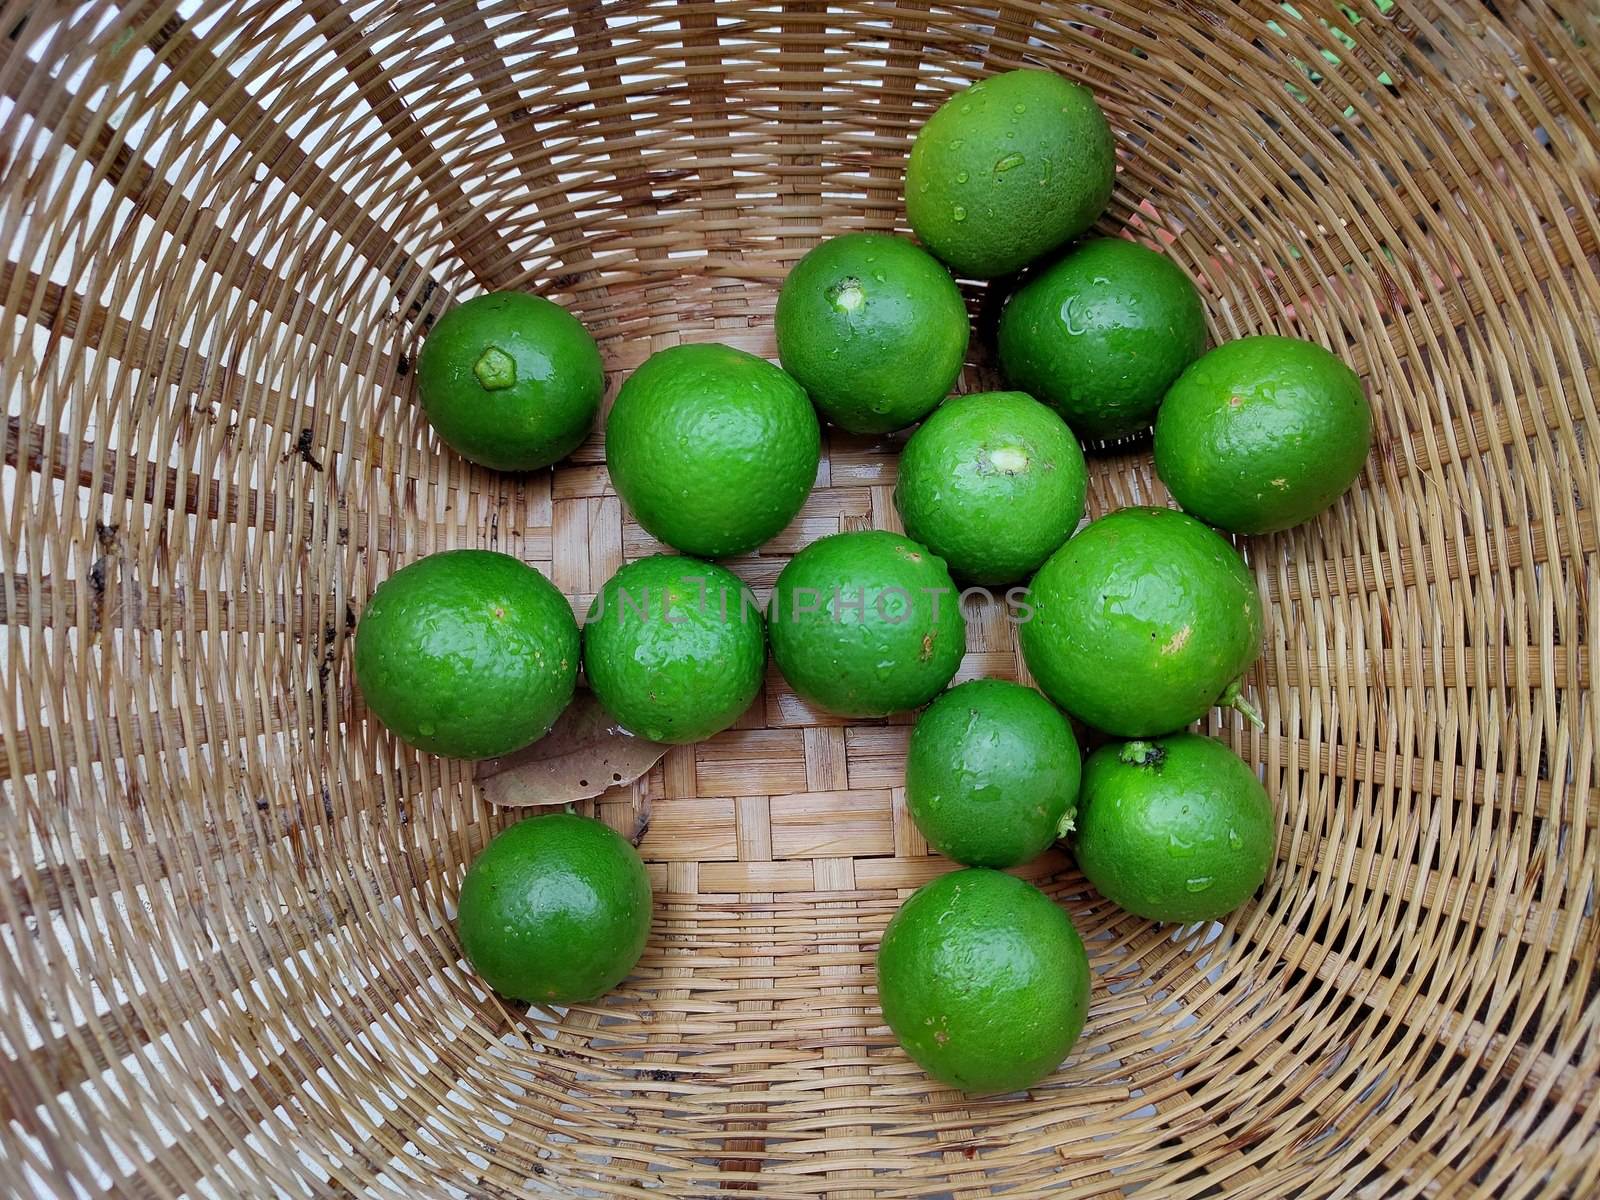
pixel 1173 829
pixel 866 624
pixel 467 653
pixel 1140 623
pixel 1008 170
pixel 873 328
pixel 555 910
pixel 984 981
pixel 674 648
pixel 1263 433
pixel 992 773
pixel 1101 334
pixel 510 381
pixel 713 449
pixel 986 463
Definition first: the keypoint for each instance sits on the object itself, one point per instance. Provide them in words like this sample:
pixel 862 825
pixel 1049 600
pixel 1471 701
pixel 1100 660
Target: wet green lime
pixel 467 653
pixel 1101 334
pixel 555 910
pixel 674 648
pixel 714 450
pixel 992 773
pixel 1174 828
pixel 1263 433
pixel 1007 170
pixel 511 381
pixel 873 328
pixel 1142 622
pixel 866 624
pixel 984 981
pixel 992 482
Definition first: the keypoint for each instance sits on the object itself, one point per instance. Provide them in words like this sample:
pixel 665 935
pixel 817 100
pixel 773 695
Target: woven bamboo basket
pixel 229 968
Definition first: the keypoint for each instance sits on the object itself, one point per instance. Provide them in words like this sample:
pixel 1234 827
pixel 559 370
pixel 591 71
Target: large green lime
pixel 510 381
pixel 873 328
pixel 713 449
pixel 984 981
pixel 674 648
pixel 992 773
pixel 555 910
pixel 467 653
pixel 1008 170
pixel 1173 829
pixel 1142 622
pixel 993 482
pixel 1101 334
pixel 1263 433
pixel 866 624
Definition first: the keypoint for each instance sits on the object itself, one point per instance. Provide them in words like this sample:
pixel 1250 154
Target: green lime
pixel 1142 622
pixel 1263 433
pixel 874 329
pixel 467 653
pixel 1173 829
pixel 510 381
pixel 866 624
pixel 555 910
pixel 1101 334
pixel 992 774
pixel 674 648
pixel 1008 170
pixel 985 463
pixel 984 981
pixel 713 449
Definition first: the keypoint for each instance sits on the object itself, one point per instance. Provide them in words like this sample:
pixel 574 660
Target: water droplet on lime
pixel 1011 160
pixel 1019 108
pixel 1066 317
pixel 1179 848
pixel 961 176
pixel 1234 839
pixel 958 213
pixel 1199 883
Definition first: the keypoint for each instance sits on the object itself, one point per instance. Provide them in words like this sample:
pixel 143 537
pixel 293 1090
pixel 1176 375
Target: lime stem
pixel 496 370
pixel 1233 698
pixel 1142 752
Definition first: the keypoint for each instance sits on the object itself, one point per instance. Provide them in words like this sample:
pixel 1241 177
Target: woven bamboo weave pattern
pixel 229 967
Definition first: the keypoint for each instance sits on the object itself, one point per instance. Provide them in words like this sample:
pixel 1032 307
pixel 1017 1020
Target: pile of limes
pixel 1136 625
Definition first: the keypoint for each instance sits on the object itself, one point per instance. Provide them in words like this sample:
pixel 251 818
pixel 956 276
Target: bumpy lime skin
pixel 713 449
pixel 1141 622
pixel 874 329
pixel 1263 433
pixel 674 648
pixel 1101 334
pixel 1007 170
pixel 984 981
pixel 555 910
pixel 866 624
pixel 992 773
pixel 1174 829
pixel 467 653
pixel 549 408
pixel 993 482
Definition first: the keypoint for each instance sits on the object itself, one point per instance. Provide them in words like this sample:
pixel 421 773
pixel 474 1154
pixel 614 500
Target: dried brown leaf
pixel 584 753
